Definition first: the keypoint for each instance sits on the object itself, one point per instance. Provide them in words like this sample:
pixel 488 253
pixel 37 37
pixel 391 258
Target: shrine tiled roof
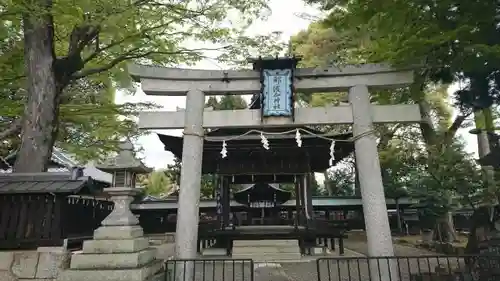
pixel 24 183
pixel 58 159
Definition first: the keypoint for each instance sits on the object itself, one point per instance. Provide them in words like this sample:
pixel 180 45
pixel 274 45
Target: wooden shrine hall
pixel 245 157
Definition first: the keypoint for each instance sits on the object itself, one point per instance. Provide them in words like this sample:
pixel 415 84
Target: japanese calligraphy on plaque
pixel 277 92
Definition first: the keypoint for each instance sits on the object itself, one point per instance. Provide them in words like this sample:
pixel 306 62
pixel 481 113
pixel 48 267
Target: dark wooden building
pixel 49 209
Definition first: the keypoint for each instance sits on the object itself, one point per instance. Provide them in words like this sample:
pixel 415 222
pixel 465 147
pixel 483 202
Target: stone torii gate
pixel 196 84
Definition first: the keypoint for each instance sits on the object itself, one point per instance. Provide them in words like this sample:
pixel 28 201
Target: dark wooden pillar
pixel 226 200
pixel 297 200
pixel 301 195
pixel 219 201
pixel 308 196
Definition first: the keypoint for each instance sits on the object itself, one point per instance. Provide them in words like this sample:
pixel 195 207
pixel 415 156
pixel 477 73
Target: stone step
pixel 151 271
pixel 115 246
pixel 214 252
pixel 265 250
pixel 112 261
pixel 269 257
pixel 258 243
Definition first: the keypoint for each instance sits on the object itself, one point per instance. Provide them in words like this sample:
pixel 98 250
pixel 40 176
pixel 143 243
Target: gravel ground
pixel 331 269
pixel 399 250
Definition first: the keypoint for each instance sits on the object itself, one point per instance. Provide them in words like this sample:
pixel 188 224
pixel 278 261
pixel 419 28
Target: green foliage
pixel 314 188
pixel 318 46
pixel 449 40
pixel 155 183
pixel 93 41
pixel 91 124
pixel 442 179
pixel 446 44
pixel 341 180
pixel 290 187
pixel 173 171
pixel 227 102
pixel 173 174
pixel 208 184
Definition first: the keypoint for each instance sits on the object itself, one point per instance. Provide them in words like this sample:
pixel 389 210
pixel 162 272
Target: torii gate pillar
pixel 186 234
pixel 369 174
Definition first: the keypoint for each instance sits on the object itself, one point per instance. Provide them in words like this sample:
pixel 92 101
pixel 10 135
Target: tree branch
pixel 387 136
pixel 13 128
pixel 130 55
pixel 452 130
pixel 141 33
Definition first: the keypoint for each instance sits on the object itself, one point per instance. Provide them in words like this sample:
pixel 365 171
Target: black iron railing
pixel 416 268
pixel 209 270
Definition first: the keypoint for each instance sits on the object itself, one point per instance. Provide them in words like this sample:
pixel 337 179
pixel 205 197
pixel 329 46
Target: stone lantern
pixel 124 169
pixel 118 250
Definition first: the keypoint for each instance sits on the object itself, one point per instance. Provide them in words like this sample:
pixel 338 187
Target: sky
pixel 285 18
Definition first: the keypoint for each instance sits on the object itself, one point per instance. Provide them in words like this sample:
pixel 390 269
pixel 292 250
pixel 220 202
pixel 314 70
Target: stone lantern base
pixel 117 252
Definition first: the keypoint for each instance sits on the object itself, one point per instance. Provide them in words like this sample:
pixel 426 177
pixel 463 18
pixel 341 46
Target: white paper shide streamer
pixel 223 152
pixel 264 141
pixel 332 155
pixel 298 138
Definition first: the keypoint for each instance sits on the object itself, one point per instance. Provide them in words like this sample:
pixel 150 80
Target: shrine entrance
pixel 264 203
pixel 262 161
pixel 273 122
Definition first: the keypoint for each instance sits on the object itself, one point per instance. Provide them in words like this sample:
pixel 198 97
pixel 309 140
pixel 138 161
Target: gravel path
pixel 331 269
pixel 399 250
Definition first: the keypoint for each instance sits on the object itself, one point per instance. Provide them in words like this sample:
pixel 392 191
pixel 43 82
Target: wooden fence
pixel 28 221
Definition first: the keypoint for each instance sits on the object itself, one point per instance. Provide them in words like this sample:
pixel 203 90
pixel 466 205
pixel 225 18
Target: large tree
pixel 63 42
pixel 454 40
pixel 344 39
pixel 91 124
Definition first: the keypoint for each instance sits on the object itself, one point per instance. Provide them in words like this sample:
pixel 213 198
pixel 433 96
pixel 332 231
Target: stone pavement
pixel 306 270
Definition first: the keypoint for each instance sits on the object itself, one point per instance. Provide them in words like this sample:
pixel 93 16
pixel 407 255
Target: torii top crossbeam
pixel 158 80
pixel 164 81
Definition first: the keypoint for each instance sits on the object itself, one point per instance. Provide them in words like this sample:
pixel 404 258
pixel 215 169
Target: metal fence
pixel 416 268
pixel 209 270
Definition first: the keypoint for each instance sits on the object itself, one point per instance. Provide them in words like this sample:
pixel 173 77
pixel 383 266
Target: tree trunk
pixel 484 122
pixel 39 128
pixel 450 228
pixel 398 216
pixel 430 134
